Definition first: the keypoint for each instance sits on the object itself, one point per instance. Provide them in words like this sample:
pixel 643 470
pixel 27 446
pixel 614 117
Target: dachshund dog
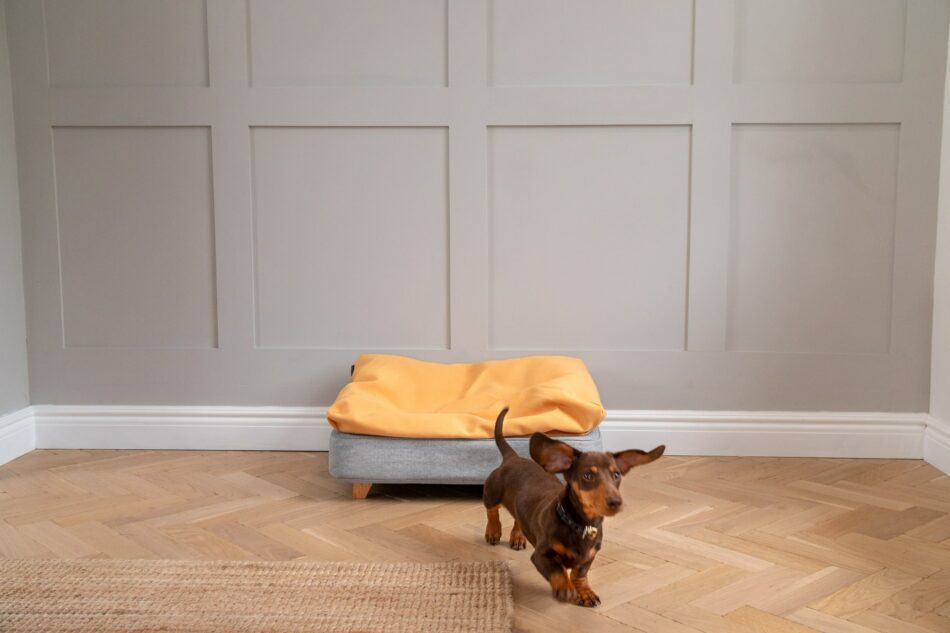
pixel 563 521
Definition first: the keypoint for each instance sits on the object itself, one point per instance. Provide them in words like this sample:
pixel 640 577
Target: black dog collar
pixel 586 531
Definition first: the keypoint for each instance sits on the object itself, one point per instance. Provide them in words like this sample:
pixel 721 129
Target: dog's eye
pixel 616 476
pixel 589 476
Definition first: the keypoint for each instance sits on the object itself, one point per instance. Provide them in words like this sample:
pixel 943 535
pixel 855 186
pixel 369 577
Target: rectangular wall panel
pixel 820 41
pixel 812 239
pixel 347 42
pixel 136 236
pixel 350 237
pixel 111 43
pixel 589 235
pixel 596 42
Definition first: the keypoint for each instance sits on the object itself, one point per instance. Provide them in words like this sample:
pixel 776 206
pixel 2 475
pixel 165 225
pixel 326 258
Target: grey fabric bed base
pixel 368 459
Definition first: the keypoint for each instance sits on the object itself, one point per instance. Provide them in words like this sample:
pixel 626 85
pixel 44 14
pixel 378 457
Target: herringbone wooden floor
pixel 706 544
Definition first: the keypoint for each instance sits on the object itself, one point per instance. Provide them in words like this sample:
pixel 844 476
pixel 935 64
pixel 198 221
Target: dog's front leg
pixel 561 586
pixel 585 595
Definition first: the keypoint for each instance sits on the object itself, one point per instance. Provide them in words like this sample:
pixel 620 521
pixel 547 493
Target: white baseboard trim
pixel 16 434
pixel 739 433
pixel 799 434
pixel 937 444
pixel 192 428
pixel 769 433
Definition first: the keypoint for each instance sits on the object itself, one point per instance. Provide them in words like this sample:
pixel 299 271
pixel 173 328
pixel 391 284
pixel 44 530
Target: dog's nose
pixel 614 502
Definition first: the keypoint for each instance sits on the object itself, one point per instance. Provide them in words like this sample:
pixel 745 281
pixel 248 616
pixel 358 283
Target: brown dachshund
pixel 562 522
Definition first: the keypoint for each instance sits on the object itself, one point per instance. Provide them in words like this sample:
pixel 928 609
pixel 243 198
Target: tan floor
pixel 706 544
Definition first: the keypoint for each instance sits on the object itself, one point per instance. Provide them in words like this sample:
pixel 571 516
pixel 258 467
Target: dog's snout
pixel 614 502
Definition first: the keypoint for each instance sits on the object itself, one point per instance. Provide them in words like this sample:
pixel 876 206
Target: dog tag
pixel 590 531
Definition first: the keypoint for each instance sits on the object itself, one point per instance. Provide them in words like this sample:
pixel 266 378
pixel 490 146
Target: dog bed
pixel 361 459
pixel 401 420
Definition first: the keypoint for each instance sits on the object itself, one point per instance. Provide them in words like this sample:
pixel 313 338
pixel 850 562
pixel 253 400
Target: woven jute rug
pixel 43 596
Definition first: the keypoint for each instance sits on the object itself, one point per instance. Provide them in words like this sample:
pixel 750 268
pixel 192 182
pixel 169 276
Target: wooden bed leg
pixel 361 491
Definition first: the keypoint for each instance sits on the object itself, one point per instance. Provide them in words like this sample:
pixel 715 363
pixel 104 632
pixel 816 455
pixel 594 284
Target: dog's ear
pixel 635 457
pixel 553 456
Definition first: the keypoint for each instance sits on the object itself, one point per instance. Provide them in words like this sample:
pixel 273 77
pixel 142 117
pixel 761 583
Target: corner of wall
pixel 17 434
pixel 937 439
pixel 937 444
pixel 14 375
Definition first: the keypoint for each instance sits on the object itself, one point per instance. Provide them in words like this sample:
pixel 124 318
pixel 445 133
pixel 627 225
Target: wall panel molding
pixel 468 67
pixel 372 200
pixel 339 43
pixel 110 43
pixel 814 41
pixel 134 211
pixel 595 43
pixel 812 237
pixel 545 225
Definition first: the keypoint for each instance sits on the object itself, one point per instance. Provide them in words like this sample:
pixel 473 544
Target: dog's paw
pixel 565 594
pixel 518 542
pixel 492 537
pixel 563 590
pixel 586 598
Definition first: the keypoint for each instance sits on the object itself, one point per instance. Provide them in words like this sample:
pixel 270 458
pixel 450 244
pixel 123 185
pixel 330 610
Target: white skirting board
pixel 739 433
pixel 16 434
pixel 768 433
pixel 937 444
pixel 170 427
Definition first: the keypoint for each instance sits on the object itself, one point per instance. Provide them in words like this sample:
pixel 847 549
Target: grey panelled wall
pixel 719 204
pixel 14 388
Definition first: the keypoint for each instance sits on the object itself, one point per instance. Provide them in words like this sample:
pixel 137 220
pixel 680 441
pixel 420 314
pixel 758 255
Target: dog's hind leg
pixel 493 529
pixel 491 497
pixel 517 539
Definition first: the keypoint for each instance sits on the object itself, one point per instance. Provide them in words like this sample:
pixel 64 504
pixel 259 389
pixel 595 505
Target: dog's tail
pixel 503 445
